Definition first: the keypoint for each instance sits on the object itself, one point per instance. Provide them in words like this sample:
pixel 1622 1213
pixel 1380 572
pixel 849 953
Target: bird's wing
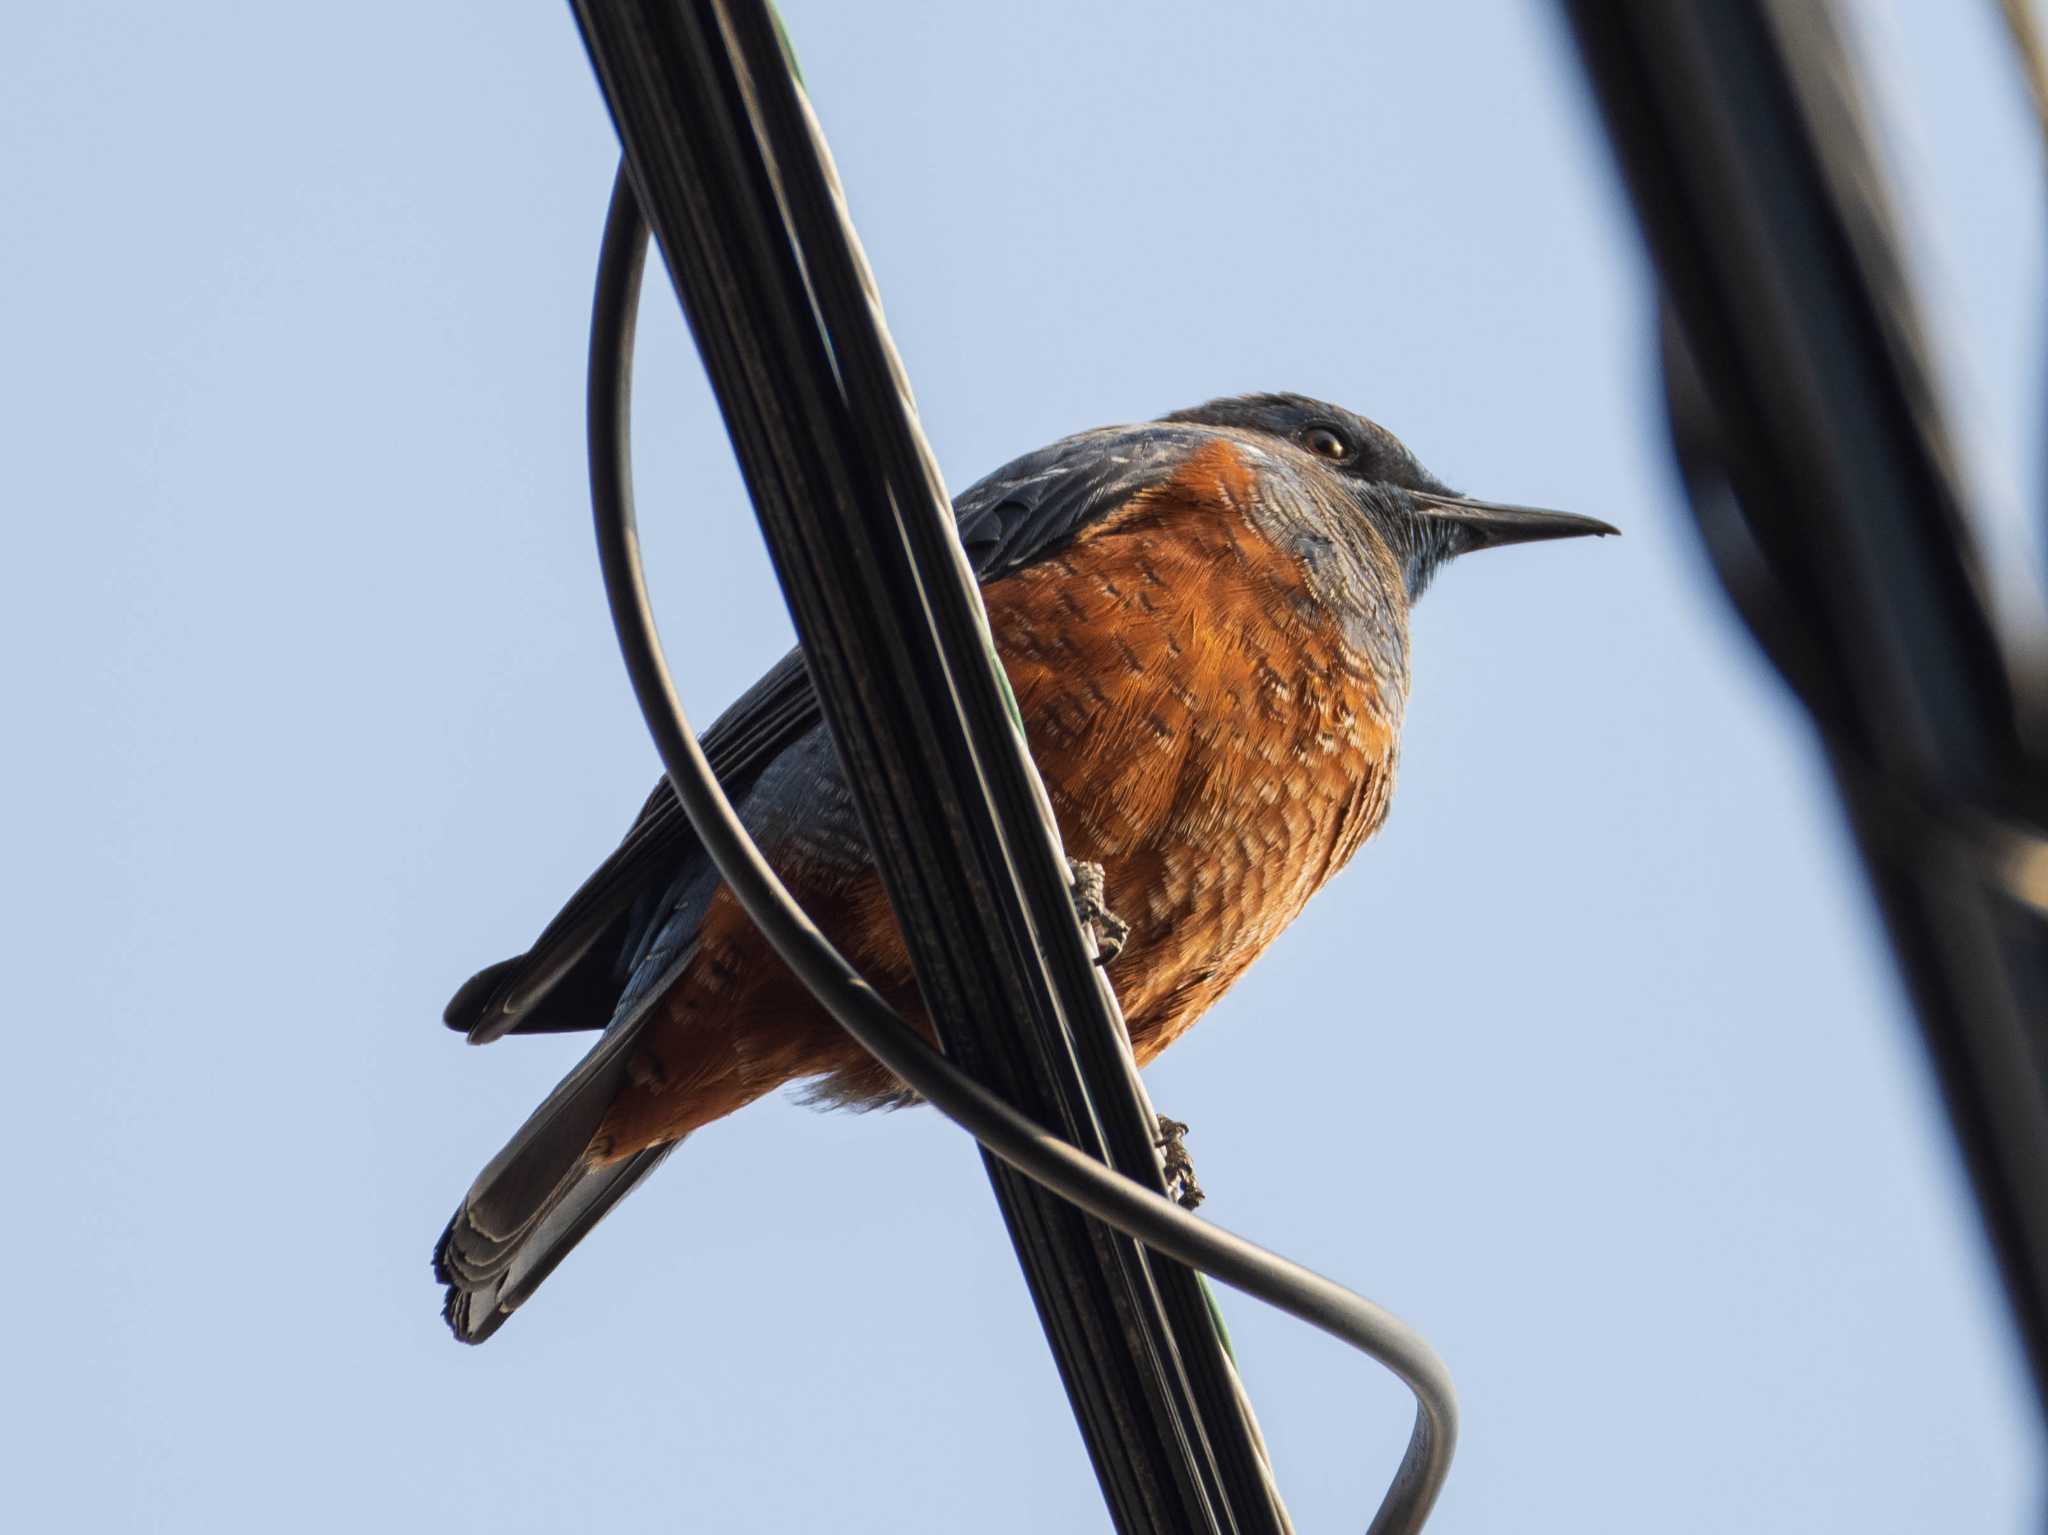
pixel 1031 508
pixel 574 974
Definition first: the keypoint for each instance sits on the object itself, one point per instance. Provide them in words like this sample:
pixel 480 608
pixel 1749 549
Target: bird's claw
pixel 1180 1167
pixel 1091 905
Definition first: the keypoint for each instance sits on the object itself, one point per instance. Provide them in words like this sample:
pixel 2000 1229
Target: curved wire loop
pixel 1107 1195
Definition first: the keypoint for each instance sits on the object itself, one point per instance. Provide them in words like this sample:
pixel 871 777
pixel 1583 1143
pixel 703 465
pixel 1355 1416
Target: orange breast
pixel 1203 732
pixel 1204 735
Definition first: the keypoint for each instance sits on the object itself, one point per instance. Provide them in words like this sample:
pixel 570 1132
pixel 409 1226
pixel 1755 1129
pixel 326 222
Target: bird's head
pixel 1421 520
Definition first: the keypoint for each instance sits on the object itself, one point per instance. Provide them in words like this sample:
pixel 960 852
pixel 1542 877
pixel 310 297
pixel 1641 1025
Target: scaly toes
pixel 1091 906
pixel 1180 1167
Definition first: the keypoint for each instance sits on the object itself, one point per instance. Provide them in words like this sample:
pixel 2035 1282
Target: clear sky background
pixel 1594 1065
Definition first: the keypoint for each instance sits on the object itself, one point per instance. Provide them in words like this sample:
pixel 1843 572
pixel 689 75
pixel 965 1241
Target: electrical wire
pixel 726 162
pixel 2023 24
pixel 1107 1195
pixel 1803 402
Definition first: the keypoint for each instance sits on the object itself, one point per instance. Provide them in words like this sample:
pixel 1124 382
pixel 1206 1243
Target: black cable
pixel 1809 428
pixel 1996 847
pixel 1109 1196
pixel 897 650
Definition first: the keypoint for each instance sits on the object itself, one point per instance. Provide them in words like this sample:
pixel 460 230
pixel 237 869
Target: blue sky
pixel 1593 1065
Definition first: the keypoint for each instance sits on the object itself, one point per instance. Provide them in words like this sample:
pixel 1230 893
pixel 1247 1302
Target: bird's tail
pixel 488 1280
pixel 539 1196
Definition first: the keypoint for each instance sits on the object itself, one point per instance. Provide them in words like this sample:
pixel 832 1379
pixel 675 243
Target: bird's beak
pixel 1488 524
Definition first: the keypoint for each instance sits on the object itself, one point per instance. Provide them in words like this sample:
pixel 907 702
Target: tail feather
pixel 542 1193
pixel 513 1189
pixel 487 1282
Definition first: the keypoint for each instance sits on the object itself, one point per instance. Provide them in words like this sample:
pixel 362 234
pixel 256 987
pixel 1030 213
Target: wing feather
pixel 573 975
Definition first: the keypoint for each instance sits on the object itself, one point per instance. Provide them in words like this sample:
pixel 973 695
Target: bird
pixel 1204 621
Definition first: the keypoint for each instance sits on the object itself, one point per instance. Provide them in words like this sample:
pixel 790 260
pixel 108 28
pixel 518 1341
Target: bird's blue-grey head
pixel 1422 521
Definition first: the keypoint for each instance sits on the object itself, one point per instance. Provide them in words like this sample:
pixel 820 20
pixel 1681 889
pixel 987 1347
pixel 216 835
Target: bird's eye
pixel 1322 441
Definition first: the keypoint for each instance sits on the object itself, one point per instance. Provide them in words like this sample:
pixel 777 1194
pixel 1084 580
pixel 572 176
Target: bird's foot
pixel 1091 905
pixel 1180 1167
